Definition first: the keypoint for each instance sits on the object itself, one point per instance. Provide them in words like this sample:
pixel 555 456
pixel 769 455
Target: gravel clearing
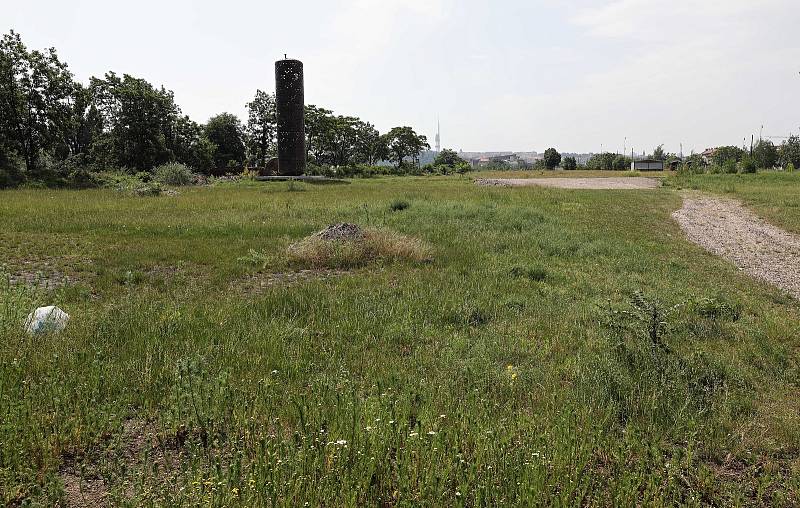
pixel 628 182
pixel 725 228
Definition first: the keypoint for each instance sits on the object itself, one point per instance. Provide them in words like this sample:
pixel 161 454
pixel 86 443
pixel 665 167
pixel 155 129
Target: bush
pixel 173 174
pixel 790 167
pixel 748 164
pixel 147 189
pixel 398 205
pixel 729 166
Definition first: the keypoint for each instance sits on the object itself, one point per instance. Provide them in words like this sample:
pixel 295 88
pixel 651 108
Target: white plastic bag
pixel 46 319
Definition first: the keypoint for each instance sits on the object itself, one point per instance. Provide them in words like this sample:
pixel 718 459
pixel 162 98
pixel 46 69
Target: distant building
pixel 510 161
pixel 708 155
pixel 647 165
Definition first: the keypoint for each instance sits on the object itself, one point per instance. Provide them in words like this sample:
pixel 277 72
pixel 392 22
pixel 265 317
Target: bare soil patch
pixel 611 183
pixel 727 229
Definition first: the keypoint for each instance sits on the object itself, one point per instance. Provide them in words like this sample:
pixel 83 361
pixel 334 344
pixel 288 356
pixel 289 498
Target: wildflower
pixel 341 442
pixel 413 434
pixel 431 433
pixel 442 416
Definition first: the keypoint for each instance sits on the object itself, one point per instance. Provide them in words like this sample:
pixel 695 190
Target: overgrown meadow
pixel 557 347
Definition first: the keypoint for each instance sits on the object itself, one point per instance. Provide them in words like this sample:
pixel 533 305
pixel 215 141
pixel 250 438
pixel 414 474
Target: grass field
pixel 559 347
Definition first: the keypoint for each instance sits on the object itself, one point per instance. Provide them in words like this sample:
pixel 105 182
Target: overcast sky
pixel 502 74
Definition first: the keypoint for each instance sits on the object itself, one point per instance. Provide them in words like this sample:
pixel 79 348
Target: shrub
pixel 790 167
pixel 748 164
pixel 173 174
pixel 729 166
pixel 147 189
pixel 398 205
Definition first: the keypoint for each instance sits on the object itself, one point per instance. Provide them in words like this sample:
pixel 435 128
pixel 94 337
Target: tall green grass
pixel 561 348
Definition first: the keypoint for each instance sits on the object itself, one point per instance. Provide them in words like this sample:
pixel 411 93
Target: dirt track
pixel 629 182
pixel 725 228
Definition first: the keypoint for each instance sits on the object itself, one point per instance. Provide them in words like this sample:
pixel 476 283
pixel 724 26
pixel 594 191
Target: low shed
pixel 647 165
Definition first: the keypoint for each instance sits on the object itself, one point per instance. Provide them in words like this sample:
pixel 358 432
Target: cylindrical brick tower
pixel 289 99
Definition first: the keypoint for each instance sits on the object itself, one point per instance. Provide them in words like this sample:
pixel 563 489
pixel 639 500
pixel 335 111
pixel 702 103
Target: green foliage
pixel 765 154
pixel 601 161
pixel 551 158
pixel 790 151
pixel 398 205
pixel 659 154
pixel 147 189
pixel 226 132
pixel 621 163
pixel 140 120
pixel 341 140
pixel 448 161
pixel 261 129
pixel 403 143
pixel 748 164
pixel 534 273
pixel 36 90
pixel 569 163
pixel 725 155
pixel 174 173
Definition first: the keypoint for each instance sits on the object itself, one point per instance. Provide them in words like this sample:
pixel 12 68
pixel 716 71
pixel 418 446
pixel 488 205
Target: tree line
pixel 54 129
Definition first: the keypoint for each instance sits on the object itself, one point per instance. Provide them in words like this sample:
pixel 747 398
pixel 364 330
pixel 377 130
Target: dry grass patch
pixel 349 246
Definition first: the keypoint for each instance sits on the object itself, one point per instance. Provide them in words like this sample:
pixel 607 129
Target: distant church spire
pixel 438 136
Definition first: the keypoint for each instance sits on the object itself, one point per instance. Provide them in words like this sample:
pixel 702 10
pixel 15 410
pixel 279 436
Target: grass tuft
pixel 398 205
pixel 375 245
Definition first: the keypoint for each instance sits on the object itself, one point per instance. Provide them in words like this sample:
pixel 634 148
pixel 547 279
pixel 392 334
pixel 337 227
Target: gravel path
pixel 724 227
pixel 627 182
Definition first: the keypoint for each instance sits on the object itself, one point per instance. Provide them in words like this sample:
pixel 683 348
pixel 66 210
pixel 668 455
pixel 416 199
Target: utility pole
pixel 625 145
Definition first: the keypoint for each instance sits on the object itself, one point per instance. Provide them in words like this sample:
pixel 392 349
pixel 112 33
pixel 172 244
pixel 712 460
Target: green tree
pixel 226 132
pixel 403 143
pixel 621 163
pixel 368 147
pixel 552 158
pixel 727 154
pixel 790 152
pixel 447 157
pixel 451 160
pixel 659 154
pixel 191 147
pixel 36 95
pixel 569 163
pixel 601 161
pixel 261 128
pixel 765 154
pixel 139 120
pixel 318 122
